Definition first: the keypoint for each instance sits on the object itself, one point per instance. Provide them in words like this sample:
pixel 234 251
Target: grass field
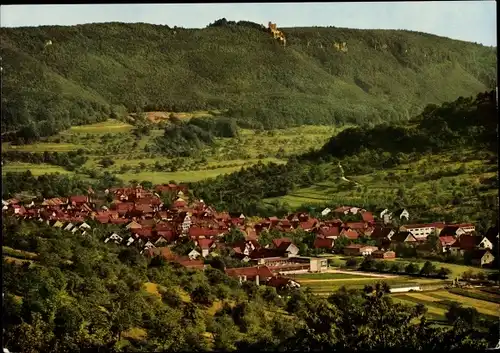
pixel 42 147
pixel 326 276
pixel 113 139
pixel 19 253
pixel 108 126
pixel 437 302
pixel 36 169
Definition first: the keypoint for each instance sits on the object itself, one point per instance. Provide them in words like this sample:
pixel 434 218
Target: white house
pixel 130 240
pixel 404 214
pixel 326 211
pixel 69 226
pixel 292 250
pixel 115 237
pixel 186 224
pixel 422 231
pixel 193 254
pixel 84 226
pixel 485 244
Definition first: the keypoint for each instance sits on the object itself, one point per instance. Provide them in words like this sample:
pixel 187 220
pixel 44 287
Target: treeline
pixel 184 139
pixel 68 160
pixel 242 191
pixel 464 122
pixel 81 295
pixel 52 185
pixel 223 22
pixel 87 73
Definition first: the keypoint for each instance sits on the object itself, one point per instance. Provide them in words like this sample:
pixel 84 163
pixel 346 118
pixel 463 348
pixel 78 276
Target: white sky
pixel 473 21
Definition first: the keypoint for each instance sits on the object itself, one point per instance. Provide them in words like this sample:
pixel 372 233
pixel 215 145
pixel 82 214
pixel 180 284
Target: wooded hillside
pixel 55 76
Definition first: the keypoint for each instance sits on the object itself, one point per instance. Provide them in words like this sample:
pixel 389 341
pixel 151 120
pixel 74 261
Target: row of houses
pixel 146 222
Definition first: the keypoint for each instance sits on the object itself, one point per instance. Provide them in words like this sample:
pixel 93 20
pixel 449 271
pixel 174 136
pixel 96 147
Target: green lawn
pixel 321 276
pixel 108 126
pixel 182 176
pixel 36 169
pixel 437 302
pixel 114 139
pixel 42 147
pixel 418 183
pixel 456 270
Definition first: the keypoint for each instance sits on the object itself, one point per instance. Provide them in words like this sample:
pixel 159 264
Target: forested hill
pixel 56 76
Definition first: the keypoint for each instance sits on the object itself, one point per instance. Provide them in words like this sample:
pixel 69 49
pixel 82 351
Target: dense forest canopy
pixel 186 138
pixel 86 73
pixel 76 294
pixel 465 122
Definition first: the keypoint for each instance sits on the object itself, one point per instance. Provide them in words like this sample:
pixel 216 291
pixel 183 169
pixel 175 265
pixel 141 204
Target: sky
pixel 473 21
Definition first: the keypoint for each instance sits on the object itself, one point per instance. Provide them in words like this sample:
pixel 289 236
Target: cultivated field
pixel 36 169
pixel 114 139
pixel 420 180
pixel 437 302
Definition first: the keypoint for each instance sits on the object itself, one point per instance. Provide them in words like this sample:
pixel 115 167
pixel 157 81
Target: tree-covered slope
pixel 88 71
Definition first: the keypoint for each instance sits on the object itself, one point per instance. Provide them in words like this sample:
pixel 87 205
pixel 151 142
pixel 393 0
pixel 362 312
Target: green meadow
pixel 132 160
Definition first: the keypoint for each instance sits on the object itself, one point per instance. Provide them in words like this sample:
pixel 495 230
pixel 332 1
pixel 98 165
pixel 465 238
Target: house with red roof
pixel 199 232
pixel 259 274
pixel 282 283
pixel 206 245
pixel 367 217
pixel 359 250
pixel 324 243
pixel 309 225
pixel 446 242
pixel 349 234
pixel 468 242
pixel 385 255
pixel 78 200
pixel 422 231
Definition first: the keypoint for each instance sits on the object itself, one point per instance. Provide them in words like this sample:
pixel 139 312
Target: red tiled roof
pixel 323 243
pixel 205 243
pixel 143 232
pixel 120 220
pixel 329 231
pixel 277 242
pixel 147 222
pixel 261 253
pixel 367 216
pixel 309 224
pixel 342 209
pixel 447 240
pixel 103 219
pixel 164 226
pixel 356 225
pixel 425 225
pixel 250 272
pixel 167 234
pixel 198 232
pixel 187 262
pixel 351 234
pixel 380 232
pixel 78 199
pixel 278 282
pixel 144 208
pixel 468 242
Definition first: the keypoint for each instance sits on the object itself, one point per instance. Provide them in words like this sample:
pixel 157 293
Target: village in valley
pixel 142 220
